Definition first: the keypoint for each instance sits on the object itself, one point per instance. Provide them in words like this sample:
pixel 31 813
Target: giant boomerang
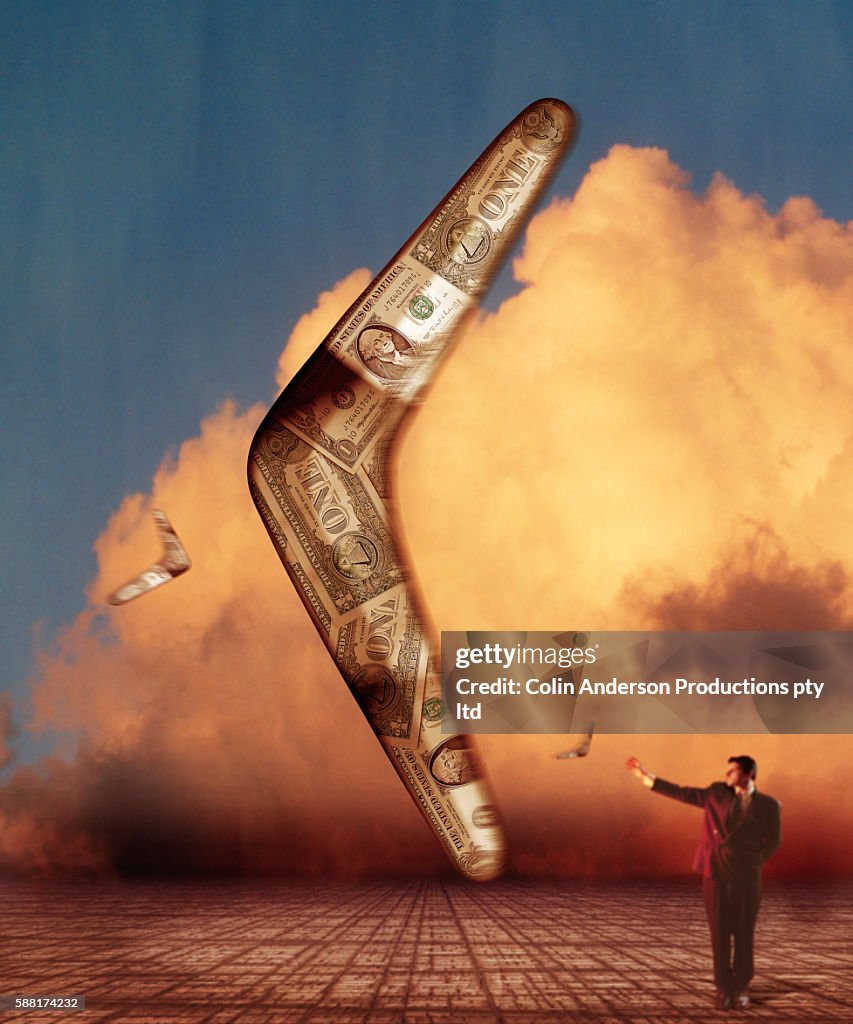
pixel 319 474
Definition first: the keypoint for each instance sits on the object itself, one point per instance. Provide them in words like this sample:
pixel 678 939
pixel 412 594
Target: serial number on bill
pixel 42 1003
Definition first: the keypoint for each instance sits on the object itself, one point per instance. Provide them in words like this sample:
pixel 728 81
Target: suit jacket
pixel 731 847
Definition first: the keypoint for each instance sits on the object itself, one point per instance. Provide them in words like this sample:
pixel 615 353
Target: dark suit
pixel 732 848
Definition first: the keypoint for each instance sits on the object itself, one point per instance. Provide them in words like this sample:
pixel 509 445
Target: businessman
pixel 740 830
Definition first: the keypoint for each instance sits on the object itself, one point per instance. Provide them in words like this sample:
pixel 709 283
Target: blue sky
pixel 180 180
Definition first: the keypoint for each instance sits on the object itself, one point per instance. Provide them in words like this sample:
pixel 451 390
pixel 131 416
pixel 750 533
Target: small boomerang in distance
pixel 175 560
pixel 582 749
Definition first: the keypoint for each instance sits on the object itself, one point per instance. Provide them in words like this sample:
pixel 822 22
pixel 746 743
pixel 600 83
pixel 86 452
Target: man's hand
pixel 633 765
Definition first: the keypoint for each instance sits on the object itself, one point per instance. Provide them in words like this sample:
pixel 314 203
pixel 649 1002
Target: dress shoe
pixel 722 1000
pixel 741 1001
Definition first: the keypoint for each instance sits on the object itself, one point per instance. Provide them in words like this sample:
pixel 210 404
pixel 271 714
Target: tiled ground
pixel 419 952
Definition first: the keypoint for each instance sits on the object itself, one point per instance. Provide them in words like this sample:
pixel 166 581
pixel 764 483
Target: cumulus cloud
pixel 207 716
pixel 655 432
pixel 664 407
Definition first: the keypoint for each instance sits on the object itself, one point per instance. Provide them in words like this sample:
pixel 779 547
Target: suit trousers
pixel 732 909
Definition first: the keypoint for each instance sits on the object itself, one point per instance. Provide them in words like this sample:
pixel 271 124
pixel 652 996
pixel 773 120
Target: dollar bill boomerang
pixel 582 749
pixel 319 474
pixel 174 560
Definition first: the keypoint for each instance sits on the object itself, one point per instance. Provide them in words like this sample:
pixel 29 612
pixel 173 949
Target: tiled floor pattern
pixel 412 953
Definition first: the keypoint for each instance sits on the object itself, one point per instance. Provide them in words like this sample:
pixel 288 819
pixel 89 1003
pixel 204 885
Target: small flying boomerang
pixel 582 749
pixel 174 561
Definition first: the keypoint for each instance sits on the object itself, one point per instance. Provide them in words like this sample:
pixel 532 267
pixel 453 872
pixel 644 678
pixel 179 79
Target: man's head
pixel 741 771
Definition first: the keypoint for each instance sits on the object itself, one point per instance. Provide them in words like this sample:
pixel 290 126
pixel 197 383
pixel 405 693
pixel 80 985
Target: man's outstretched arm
pixel 686 794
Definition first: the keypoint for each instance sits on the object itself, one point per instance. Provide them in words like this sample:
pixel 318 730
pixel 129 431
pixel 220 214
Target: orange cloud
pixel 670 386
pixel 654 433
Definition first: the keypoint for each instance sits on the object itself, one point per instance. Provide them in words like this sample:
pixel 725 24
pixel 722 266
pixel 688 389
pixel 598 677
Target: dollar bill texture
pixel 319 474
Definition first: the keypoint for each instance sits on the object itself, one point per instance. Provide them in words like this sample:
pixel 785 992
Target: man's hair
pixel 747 763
